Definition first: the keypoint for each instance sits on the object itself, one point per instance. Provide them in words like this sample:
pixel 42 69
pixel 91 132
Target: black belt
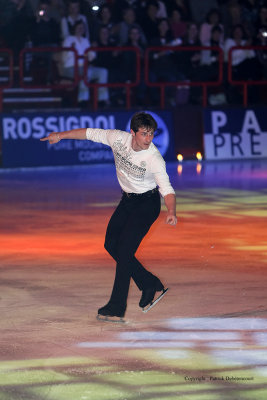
pixel 148 193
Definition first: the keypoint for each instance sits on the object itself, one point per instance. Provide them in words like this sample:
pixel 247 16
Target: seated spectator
pixel 104 19
pixel 182 6
pixel 231 15
pixel 112 61
pixel 178 26
pixel 163 66
pixel 120 5
pixel 189 61
pixel 210 58
pixel 124 27
pixel 209 66
pixel 261 55
pixel 262 17
pixel 100 75
pixel 57 10
pixel 242 60
pixel 199 9
pixel 68 22
pixel 213 19
pixel 129 65
pixel 162 11
pixel 44 33
pixel 140 9
pixel 260 91
pixel 249 13
pixel 149 22
pixel 15 22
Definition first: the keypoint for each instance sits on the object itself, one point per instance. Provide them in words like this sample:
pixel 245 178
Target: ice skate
pixel 109 313
pixel 147 300
pixel 109 318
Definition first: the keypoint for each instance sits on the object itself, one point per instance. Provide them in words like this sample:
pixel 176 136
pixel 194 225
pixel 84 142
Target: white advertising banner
pixel 235 133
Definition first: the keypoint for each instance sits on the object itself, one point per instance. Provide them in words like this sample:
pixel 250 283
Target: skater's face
pixel 142 139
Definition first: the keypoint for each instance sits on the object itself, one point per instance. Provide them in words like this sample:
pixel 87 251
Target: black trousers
pixel 127 227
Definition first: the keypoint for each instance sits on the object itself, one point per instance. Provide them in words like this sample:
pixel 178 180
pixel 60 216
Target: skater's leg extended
pixel 126 229
pixel 135 219
pixel 138 224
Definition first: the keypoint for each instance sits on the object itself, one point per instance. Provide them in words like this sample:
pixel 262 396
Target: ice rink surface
pixel 206 339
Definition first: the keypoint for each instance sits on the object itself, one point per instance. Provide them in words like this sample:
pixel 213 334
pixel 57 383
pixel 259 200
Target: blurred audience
pixel 140 23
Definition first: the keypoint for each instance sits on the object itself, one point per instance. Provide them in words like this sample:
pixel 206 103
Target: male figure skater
pixel 141 173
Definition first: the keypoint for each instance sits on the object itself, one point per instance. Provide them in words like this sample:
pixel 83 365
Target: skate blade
pixel 155 301
pixel 115 320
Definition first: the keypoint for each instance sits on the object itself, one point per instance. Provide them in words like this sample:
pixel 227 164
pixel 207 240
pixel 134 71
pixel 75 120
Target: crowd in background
pixel 115 23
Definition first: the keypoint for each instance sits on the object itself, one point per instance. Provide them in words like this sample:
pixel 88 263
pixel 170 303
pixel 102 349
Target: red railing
pixel 127 85
pixel 244 83
pixel 175 49
pixel 77 77
pixel 8 83
pixel 60 81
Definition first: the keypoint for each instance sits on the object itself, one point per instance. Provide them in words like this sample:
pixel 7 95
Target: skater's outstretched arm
pixel 55 137
pixel 170 202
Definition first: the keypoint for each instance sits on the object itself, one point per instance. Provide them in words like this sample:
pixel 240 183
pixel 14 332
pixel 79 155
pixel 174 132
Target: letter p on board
pixel 218 119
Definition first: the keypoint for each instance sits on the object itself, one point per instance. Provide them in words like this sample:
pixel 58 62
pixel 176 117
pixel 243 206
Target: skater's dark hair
pixel 143 120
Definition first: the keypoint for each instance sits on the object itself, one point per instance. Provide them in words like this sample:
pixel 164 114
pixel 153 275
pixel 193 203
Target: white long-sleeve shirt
pixel 65 21
pixel 137 171
pixel 239 55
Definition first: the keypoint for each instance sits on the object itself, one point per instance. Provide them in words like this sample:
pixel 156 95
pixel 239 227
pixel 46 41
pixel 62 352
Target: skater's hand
pixel 171 219
pixel 52 138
